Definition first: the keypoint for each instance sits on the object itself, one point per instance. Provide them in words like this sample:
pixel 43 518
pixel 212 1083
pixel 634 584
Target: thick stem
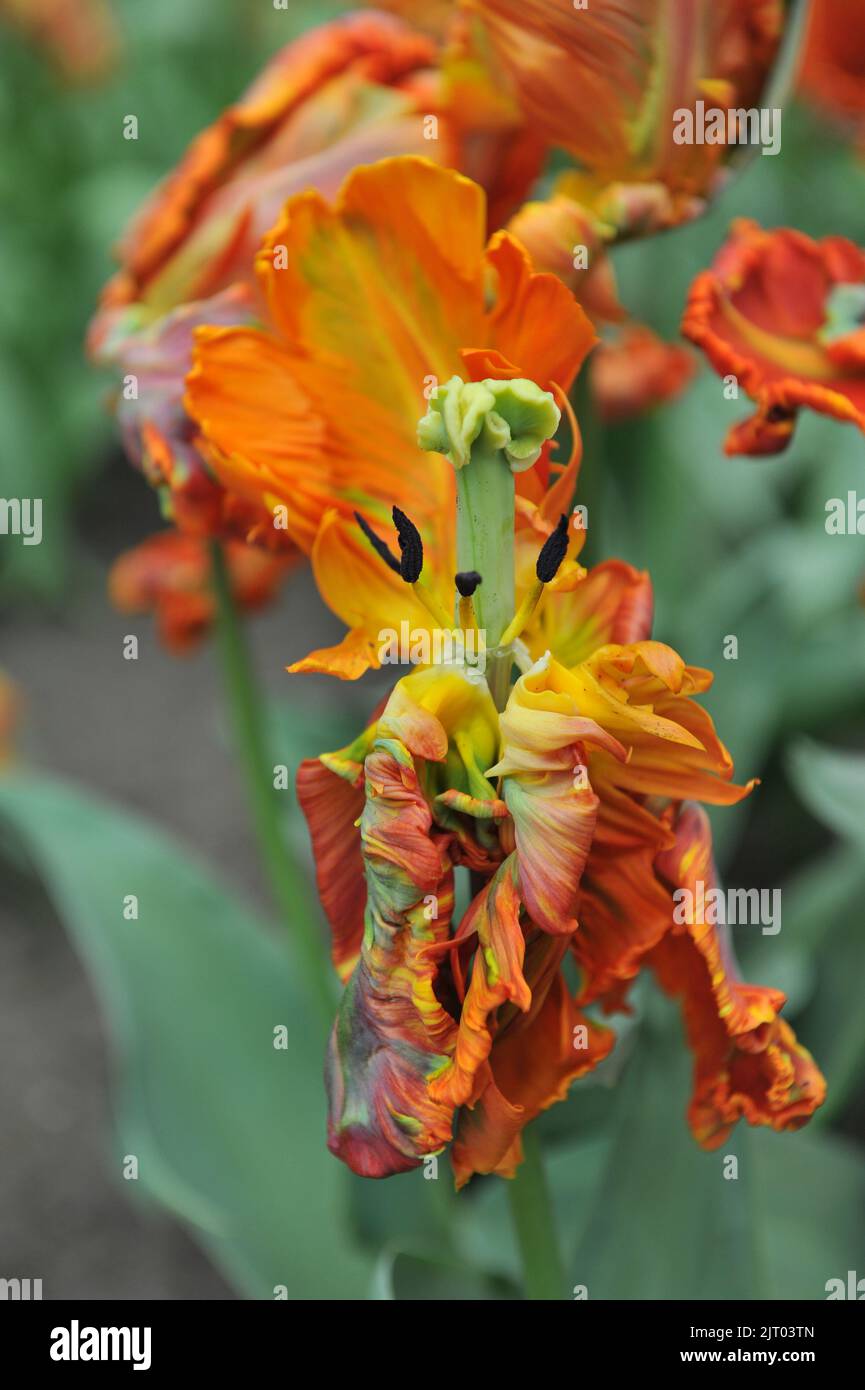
pixel 485 542
pixel 532 1215
pixel 287 882
pixel 590 488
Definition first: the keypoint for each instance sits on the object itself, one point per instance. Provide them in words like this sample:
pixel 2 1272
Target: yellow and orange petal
pixel 497 978
pixel 331 796
pixel 169 575
pixel 785 316
pixel 423 711
pixel 545 737
pixel 580 612
pixel 642 695
pixel 393 1036
pixel 747 1062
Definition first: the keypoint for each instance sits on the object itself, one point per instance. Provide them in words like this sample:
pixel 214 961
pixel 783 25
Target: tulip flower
pixel 607 83
pixel 390 292
pixel 781 317
pixel 349 92
pixel 567 794
pixel 356 90
pixel 621 86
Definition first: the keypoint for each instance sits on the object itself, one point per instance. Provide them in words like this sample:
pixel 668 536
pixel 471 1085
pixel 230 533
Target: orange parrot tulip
pixel 567 796
pixel 783 316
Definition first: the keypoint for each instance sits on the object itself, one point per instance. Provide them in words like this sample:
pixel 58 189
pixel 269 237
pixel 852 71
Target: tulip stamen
pixel 432 605
pixel 410 546
pixel 381 548
pixel 467 581
pixel 549 561
pixel 410 563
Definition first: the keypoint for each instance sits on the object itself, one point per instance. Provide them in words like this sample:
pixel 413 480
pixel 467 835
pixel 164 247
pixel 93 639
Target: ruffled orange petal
pixel 258 427
pixel 536 323
pixel 330 795
pixel 547 791
pixel 613 602
pixel 497 977
pixel 604 82
pixel 624 913
pixel 392 1034
pixel 535 1059
pixel 747 1062
pixel 643 694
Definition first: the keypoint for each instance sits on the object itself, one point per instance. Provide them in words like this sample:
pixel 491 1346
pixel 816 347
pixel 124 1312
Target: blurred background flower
pixel 9 712
pixel 833 60
pixel 78 36
pixel 783 317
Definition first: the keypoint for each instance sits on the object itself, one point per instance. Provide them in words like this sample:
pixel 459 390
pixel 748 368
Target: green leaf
pixel 228 1130
pixel 663 1222
pixel 809 1195
pixel 484 1232
pixel 831 783
pixel 407 1277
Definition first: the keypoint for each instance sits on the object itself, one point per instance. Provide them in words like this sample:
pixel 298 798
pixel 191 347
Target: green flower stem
pixel 593 468
pixel 287 882
pixel 485 542
pixel 532 1215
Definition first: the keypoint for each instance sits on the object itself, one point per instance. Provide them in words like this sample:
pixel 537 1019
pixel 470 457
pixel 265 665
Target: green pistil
pixel 489 430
